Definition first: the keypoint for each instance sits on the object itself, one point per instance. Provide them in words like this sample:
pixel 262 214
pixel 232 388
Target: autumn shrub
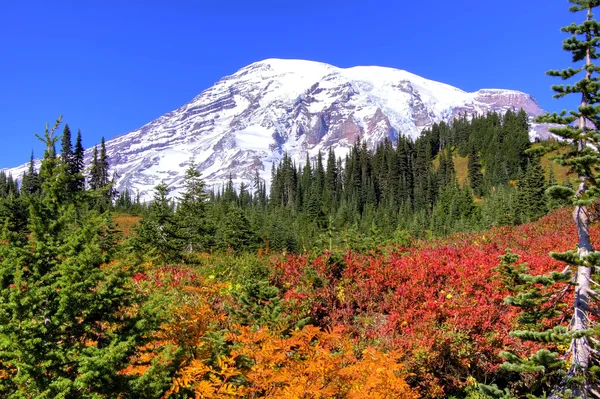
pixel 433 315
pixel 310 363
pixel 232 267
pixel 126 223
pixel 440 303
pixel 214 358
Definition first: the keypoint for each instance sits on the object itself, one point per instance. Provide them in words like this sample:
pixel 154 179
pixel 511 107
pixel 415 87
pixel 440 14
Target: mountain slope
pixel 246 121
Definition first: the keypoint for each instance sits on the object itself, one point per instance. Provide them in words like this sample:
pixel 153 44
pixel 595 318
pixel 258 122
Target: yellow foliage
pixel 311 363
pixel 189 322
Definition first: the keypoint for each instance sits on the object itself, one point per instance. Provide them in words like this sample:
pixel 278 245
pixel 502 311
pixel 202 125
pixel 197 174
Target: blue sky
pixel 111 66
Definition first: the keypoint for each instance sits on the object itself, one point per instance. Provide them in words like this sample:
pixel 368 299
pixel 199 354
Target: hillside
pixel 439 304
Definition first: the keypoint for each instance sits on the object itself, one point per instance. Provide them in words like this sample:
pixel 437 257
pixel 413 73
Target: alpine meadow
pixel 304 230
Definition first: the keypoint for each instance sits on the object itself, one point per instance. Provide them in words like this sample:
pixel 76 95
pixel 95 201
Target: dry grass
pixel 461 168
pixel 560 172
pixel 126 223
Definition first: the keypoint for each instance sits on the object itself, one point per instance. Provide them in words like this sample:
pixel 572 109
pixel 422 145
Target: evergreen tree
pixel 514 141
pixel 532 202
pixel 95 179
pixel 229 194
pixel 446 170
pixel 8 186
pixel 124 201
pixel 474 174
pixel 77 165
pixel 191 215
pixel 234 231
pixel 580 379
pixel 260 191
pixel 103 165
pixel 158 232
pixel 69 321
pixel 257 304
pixel 99 179
pixel 66 149
pixel 244 197
pixel 331 181
pixel 499 207
pixel 31 183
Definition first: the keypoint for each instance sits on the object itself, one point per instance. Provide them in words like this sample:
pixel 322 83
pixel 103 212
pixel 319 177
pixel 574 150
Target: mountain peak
pixel 244 123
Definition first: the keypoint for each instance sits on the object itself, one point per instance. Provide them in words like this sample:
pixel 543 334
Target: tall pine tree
pixel 69 319
pixel 580 127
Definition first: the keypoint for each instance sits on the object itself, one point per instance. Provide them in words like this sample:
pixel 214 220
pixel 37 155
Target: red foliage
pixel 441 303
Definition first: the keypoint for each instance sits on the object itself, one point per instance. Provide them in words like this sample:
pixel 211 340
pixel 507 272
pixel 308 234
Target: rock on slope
pixel 246 121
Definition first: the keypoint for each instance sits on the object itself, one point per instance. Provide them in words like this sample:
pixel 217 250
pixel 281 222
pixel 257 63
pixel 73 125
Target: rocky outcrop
pixel 246 121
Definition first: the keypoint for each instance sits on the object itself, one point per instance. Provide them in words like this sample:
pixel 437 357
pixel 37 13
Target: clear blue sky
pixel 111 66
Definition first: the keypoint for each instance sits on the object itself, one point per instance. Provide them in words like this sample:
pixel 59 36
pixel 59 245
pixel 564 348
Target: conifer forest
pixel 461 264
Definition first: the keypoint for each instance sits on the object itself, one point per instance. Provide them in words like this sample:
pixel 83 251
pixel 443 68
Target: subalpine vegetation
pixel 467 176
pixel 417 269
pixel 201 300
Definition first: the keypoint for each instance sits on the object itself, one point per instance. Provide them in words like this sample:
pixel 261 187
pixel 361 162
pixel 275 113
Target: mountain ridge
pixel 246 121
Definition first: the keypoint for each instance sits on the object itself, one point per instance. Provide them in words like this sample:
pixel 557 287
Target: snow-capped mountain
pixel 248 120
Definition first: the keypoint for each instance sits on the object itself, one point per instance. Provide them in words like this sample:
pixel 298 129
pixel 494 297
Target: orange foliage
pixel 6 373
pixel 126 223
pixel 311 363
pixel 190 319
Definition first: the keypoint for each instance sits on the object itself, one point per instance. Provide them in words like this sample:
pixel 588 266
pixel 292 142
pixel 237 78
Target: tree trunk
pixel 580 347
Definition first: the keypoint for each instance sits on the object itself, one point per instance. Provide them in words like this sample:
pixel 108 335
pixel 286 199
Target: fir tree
pixel 583 159
pixel 77 165
pixel 234 231
pixel 31 183
pixel 191 215
pixel 66 149
pixel 95 179
pixel 103 165
pixel 532 202
pixel 474 174
pixel 158 232
pixel 69 321
pixel 257 304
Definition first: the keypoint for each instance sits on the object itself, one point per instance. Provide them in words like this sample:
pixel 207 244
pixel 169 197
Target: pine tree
pixel 244 197
pixel 532 203
pixel 99 179
pixel 95 179
pixel 31 184
pixel 229 193
pixel 257 304
pixel 158 232
pixel 69 321
pixel 77 165
pixel 499 207
pixel 124 201
pixel 66 149
pixel 191 215
pixel 474 174
pixel 583 159
pixel 103 165
pixel 234 231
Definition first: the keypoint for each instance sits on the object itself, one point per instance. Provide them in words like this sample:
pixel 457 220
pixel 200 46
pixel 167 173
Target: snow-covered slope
pixel 246 121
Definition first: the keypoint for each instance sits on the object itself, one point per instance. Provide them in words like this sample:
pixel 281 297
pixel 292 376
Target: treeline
pixel 94 185
pixel 370 197
pixel 79 301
